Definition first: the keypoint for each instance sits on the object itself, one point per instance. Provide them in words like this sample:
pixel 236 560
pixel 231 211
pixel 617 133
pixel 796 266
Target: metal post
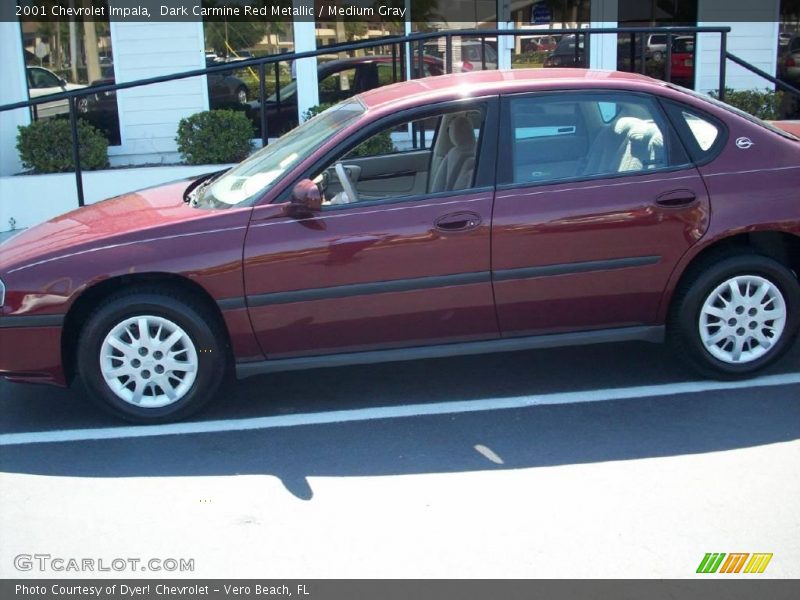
pixel 394 63
pixel 262 101
pixel 577 44
pixel 277 66
pixel 448 41
pixel 483 51
pixel 643 53
pixel 587 49
pixel 723 63
pixel 668 65
pixel 632 53
pixel 76 147
pixel 421 59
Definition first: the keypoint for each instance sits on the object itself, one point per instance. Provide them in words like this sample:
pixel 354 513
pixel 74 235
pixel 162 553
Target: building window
pixel 63 55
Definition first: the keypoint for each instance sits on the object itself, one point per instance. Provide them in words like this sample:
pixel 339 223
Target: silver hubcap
pixel 148 361
pixel 242 96
pixel 742 319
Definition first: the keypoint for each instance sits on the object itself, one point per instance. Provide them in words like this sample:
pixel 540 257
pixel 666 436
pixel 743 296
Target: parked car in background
pixel 656 46
pixel 224 91
pixel 683 56
pixel 469 55
pixel 789 71
pixel 581 216
pixel 789 63
pixel 539 43
pixel 239 55
pixel 566 54
pixel 783 42
pixel 337 80
pixel 43 82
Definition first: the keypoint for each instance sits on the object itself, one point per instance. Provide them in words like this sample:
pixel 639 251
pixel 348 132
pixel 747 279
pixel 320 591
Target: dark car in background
pixel 224 91
pixel 337 80
pixel 566 54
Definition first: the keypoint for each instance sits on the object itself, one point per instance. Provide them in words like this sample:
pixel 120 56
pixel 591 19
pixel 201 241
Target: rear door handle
pixel 459 221
pixel 676 198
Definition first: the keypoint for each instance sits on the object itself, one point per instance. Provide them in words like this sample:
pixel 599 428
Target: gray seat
pixel 630 145
pixel 454 170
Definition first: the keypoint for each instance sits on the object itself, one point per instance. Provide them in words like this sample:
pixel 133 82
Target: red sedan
pixel 467 213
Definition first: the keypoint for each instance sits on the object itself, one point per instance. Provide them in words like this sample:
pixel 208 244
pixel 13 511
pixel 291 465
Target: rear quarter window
pixel 702 134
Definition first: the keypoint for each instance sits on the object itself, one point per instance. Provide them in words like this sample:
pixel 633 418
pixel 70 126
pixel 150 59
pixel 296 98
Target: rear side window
pixel 701 134
pixel 582 135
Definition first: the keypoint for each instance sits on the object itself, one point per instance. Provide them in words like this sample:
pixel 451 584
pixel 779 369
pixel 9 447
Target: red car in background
pixel 461 214
pixel 683 60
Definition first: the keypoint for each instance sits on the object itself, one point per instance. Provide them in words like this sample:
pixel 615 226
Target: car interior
pixel 558 139
pixel 432 155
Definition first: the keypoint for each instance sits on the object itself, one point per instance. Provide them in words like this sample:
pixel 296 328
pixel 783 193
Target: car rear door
pixel 589 242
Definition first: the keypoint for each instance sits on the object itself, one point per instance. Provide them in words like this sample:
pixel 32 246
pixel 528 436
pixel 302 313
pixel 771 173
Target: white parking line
pixel 392 412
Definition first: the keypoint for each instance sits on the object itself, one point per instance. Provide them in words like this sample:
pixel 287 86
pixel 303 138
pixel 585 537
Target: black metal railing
pixel 401 46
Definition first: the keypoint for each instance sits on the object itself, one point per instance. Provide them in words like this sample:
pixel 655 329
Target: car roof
pixel 483 83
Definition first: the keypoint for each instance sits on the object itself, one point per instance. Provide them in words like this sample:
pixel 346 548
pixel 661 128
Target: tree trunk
pixel 92 53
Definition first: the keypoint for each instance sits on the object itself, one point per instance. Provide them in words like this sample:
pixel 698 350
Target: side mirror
pixel 306 199
pixel 62 82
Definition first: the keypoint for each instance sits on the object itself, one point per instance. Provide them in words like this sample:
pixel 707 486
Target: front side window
pixel 568 136
pixel 431 154
pixel 261 171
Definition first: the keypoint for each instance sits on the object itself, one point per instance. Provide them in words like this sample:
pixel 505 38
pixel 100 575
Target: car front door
pixel 402 259
pixel 596 203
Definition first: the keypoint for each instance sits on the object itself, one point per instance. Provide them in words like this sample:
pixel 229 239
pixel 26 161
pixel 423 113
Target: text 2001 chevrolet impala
pixel 458 214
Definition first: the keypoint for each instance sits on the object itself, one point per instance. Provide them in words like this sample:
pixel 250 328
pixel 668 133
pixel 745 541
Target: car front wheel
pixel 151 357
pixel 736 315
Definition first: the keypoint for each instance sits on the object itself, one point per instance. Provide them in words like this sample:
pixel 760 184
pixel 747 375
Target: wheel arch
pixel 89 298
pixel 782 246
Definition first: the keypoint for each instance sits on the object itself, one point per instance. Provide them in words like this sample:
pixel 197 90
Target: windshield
pixel 258 173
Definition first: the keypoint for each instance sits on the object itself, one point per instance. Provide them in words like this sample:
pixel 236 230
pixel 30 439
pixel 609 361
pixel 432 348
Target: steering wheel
pixel 347 185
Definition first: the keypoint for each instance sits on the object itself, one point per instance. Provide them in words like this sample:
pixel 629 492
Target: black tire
pixel 684 320
pixel 199 324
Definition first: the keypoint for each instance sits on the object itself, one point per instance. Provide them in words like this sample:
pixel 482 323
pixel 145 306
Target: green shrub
pixel 378 144
pixel 215 136
pixel 762 104
pixel 46 146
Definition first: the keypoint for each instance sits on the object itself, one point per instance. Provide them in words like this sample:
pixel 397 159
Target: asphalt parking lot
pixel 604 461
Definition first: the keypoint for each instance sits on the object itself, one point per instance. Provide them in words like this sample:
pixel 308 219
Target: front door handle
pixel 459 221
pixel 676 198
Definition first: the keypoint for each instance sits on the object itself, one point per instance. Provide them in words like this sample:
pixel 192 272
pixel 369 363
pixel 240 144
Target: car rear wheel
pixel 151 357
pixel 735 315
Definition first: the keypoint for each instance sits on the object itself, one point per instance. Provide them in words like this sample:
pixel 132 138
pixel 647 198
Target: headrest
pixel 461 132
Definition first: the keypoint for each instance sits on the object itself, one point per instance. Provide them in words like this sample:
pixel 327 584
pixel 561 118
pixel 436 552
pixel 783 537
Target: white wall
pixel 149 115
pixel 753 38
pixel 13 88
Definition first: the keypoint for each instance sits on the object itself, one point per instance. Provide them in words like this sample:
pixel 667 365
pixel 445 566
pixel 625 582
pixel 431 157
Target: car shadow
pixel 538 436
